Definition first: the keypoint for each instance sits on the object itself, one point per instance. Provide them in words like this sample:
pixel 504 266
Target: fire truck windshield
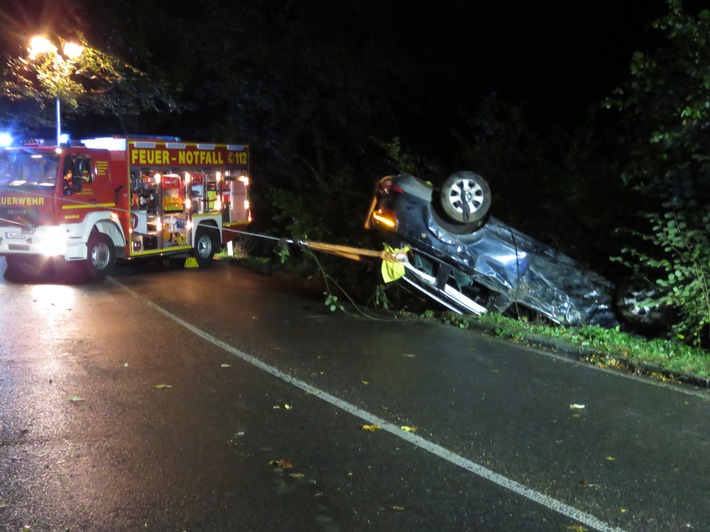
pixel 28 167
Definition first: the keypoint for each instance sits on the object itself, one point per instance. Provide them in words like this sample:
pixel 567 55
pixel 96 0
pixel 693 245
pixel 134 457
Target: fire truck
pixel 113 198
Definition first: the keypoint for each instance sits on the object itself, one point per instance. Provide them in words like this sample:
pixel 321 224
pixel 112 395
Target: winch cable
pixel 398 257
pixel 348 252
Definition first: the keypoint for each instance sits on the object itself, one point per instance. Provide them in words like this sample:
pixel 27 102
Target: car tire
pixel 465 198
pixel 100 256
pixel 636 307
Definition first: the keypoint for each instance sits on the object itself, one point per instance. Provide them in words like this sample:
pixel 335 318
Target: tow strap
pixel 393 260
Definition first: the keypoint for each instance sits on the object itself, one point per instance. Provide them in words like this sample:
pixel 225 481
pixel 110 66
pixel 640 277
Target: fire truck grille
pixel 22 216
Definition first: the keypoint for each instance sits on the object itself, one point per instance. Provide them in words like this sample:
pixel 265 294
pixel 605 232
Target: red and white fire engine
pixel 125 198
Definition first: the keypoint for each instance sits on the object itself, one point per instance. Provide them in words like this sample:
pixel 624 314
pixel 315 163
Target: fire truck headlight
pixel 51 241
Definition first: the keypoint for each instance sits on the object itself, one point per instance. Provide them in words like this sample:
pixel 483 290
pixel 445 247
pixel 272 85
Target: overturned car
pixel 471 262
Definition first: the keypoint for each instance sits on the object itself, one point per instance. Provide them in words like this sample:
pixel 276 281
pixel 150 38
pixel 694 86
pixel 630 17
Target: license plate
pixel 15 236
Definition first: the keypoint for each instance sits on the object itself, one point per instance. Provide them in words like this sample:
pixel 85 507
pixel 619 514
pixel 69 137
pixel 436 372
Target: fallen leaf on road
pixel 588 484
pixel 226 366
pixel 287 406
pixel 610 458
pixel 575 406
pixel 408 429
pixel 371 428
pixel 125 364
pixel 162 386
pixel 76 399
pixel 398 508
pixel 364 382
pixel 408 355
pixel 282 463
pixel 296 475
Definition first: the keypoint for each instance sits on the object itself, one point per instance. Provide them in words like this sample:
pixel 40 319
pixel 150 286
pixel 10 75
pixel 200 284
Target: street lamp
pixel 62 65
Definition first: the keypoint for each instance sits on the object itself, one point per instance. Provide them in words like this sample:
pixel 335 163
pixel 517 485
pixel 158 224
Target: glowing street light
pixel 73 50
pixel 42 46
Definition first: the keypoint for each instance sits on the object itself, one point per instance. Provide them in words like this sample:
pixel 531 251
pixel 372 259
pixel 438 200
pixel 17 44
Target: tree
pixel 84 79
pixel 666 107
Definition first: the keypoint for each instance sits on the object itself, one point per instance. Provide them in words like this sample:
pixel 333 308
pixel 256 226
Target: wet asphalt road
pixel 166 400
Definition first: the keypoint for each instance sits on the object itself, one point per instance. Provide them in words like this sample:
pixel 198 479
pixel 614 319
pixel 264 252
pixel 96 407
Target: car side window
pixel 77 173
pixel 82 169
pixel 71 183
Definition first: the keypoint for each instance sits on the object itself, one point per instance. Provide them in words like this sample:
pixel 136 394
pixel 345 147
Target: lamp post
pixel 61 66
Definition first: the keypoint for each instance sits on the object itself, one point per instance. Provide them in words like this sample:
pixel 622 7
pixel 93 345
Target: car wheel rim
pixel 634 307
pixel 204 247
pixel 466 196
pixel 100 256
pixel 641 306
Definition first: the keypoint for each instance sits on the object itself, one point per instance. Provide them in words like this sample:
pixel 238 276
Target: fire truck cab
pixel 121 198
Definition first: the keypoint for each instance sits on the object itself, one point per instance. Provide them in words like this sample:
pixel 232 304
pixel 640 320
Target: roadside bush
pixel 666 113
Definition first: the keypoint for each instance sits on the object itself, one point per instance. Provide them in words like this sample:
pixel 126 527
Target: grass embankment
pixel 659 358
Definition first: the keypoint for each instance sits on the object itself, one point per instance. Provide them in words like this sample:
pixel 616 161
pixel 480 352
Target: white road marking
pixel 435 449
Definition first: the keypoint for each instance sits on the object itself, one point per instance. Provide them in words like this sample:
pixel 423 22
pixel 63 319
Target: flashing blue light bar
pixel 5 140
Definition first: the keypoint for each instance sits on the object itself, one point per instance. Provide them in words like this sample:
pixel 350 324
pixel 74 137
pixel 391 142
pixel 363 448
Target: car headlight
pixel 385 217
pixel 51 241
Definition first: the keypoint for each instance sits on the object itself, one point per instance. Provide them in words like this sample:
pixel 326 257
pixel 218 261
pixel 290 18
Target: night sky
pixel 555 57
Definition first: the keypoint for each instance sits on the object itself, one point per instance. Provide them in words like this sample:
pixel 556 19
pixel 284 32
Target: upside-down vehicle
pixel 471 262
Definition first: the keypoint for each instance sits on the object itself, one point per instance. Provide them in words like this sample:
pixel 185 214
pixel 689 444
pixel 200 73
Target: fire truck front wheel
pixel 101 255
pixel 204 246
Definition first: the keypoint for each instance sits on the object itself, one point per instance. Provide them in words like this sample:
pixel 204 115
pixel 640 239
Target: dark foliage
pixel 666 116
